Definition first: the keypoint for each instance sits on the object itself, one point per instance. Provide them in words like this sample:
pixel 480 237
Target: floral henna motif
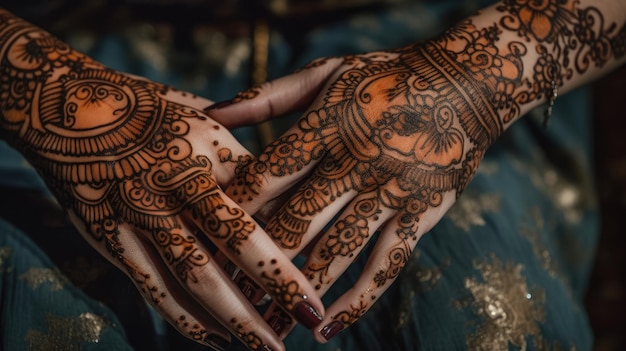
pixel 113 149
pixel 250 338
pixel 418 121
pixel 285 293
pixel 348 317
pixel 247 94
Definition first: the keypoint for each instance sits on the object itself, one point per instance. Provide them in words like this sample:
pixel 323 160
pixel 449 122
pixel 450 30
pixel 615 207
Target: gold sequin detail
pixel 469 209
pixel 532 230
pixel 66 333
pixel 488 168
pixel 572 193
pixel 35 277
pixel 416 278
pixel 508 311
pixel 5 253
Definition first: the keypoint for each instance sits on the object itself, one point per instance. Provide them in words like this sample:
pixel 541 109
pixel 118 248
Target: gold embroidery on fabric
pixel 420 279
pixel 572 195
pixel 83 271
pixel 35 277
pixel 66 333
pixel 5 253
pixel 532 230
pixel 508 310
pixel 488 168
pixel 469 209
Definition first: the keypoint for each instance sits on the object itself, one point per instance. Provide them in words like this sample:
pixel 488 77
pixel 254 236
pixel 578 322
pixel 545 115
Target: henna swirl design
pixel 410 126
pixel 405 128
pixel 116 153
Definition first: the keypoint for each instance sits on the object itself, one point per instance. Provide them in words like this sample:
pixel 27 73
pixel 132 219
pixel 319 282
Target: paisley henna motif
pixel 115 152
pixel 407 127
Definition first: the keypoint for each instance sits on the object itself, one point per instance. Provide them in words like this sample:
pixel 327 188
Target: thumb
pixel 287 94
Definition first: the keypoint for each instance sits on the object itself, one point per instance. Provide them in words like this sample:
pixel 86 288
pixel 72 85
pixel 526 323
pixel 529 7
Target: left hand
pixel 388 143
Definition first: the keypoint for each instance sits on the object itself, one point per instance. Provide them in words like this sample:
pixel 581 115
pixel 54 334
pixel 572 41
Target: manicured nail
pixel 331 329
pixel 217 343
pixel 250 289
pixel 277 324
pixel 279 320
pixel 231 269
pixel 219 105
pixel 307 315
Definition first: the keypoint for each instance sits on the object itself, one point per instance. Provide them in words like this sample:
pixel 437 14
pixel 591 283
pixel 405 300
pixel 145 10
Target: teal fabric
pixel 42 310
pixel 506 268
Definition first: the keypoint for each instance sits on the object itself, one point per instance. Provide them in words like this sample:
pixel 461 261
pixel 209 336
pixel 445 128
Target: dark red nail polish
pixel 250 289
pixel 219 105
pixel 307 315
pixel 331 329
pixel 279 321
pixel 217 343
pixel 231 269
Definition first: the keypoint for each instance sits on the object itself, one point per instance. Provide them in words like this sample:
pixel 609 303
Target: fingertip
pixel 217 342
pixel 307 315
pixel 280 322
pixel 218 105
pixel 331 329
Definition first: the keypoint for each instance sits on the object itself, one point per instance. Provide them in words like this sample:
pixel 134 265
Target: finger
pixel 390 254
pixel 336 248
pixel 170 300
pixel 194 268
pixel 281 165
pixel 309 210
pixel 250 289
pixel 281 96
pixel 213 142
pixel 236 234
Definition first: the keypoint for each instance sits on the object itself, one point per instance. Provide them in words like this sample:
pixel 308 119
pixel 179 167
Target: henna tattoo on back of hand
pixel 113 149
pixel 408 126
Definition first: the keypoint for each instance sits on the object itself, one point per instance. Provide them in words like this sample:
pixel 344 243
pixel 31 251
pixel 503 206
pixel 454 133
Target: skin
pixel 390 139
pixel 140 168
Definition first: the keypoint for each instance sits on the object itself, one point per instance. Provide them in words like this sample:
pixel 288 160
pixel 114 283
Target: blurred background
pixel 215 49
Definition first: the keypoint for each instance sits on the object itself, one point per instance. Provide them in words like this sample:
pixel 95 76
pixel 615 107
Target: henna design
pixel 113 149
pixel 195 331
pixel 315 63
pixel 348 317
pixel 409 126
pixel 284 292
pixel 351 233
pixel 398 257
pixel 252 341
pixel 247 94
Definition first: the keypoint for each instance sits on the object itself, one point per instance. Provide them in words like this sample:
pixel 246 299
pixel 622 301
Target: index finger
pixel 244 242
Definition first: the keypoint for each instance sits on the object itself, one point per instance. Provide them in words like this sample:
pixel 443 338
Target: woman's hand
pixel 140 169
pixel 387 146
pixel 389 140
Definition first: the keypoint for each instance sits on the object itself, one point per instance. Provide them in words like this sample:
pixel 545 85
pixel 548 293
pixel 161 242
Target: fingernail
pixel 250 289
pixel 331 329
pixel 217 343
pixel 279 320
pixel 219 105
pixel 231 269
pixel 267 348
pixel 307 315
pixel 277 324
